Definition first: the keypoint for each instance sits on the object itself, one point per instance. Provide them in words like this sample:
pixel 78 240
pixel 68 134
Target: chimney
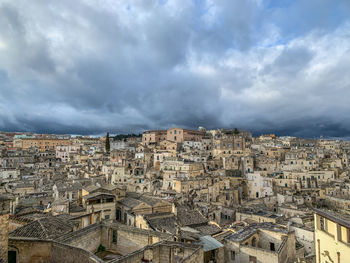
pixel 174 209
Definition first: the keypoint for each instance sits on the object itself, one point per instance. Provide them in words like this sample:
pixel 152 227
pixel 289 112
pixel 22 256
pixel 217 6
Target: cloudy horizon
pixel 91 66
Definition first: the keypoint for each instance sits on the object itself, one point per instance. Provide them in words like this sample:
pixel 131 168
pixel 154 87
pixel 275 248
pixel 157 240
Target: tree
pixel 101 248
pixel 108 145
pixel 236 131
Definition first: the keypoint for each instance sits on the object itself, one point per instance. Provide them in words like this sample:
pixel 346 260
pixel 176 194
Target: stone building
pixel 180 135
pixel 261 243
pixel 43 144
pixel 4 227
pixel 152 137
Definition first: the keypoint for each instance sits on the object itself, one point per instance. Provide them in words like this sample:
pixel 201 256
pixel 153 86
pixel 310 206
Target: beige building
pixel 261 243
pixel 155 136
pixel 332 237
pixel 259 186
pixel 131 206
pixel 180 135
pixel 43 144
pixel 183 185
pixel 186 168
pixel 229 145
pixel 4 227
pixel 101 202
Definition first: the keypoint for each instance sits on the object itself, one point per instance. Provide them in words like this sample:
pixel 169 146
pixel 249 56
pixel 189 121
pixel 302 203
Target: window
pixel 339 232
pixel 322 223
pixel 12 256
pixel 252 259
pixel 272 246
pixel 114 236
pixel 106 216
pixel 254 242
pixel 174 131
pixel 233 255
pixel 174 138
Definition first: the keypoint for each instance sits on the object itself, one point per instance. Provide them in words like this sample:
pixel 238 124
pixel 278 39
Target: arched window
pixel 254 242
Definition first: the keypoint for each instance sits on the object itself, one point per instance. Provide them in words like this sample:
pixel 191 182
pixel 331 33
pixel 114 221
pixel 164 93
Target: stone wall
pixel 290 246
pixel 243 216
pixel 268 237
pixel 4 227
pixel 305 237
pixel 261 255
pixel 163 252
pixel 44 251
pixel 196 256
pixel 283 252
pixel 88 238
pixel 130 239
pixel 31 250
pixel 61 253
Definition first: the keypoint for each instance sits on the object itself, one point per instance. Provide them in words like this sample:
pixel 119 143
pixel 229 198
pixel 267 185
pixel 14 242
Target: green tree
pixel 236 131
pixel 101 248
pixel 108 144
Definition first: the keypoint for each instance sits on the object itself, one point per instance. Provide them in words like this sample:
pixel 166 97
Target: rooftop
pixel 340 218
pixel 49 227
pixel 248 231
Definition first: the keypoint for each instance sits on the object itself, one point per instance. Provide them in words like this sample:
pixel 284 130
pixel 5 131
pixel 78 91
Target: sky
pixel 91 66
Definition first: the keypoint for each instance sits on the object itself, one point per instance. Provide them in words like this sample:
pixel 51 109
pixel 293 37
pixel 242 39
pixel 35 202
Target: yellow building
pixel 332 237
pixel 43 144
pixel 155 136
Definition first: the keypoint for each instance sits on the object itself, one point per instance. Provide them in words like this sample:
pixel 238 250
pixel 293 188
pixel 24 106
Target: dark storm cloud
pixel 88 66
pixel 290 62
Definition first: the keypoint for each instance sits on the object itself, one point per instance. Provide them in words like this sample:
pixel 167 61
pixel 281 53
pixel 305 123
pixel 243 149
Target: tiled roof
pixel 189 217
pixel 98 194
pixel 91 188
pixel 129 202
pixel 246 232
pixel 49 227
pixel 76 208
pixel 208 229
pixel 167 223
